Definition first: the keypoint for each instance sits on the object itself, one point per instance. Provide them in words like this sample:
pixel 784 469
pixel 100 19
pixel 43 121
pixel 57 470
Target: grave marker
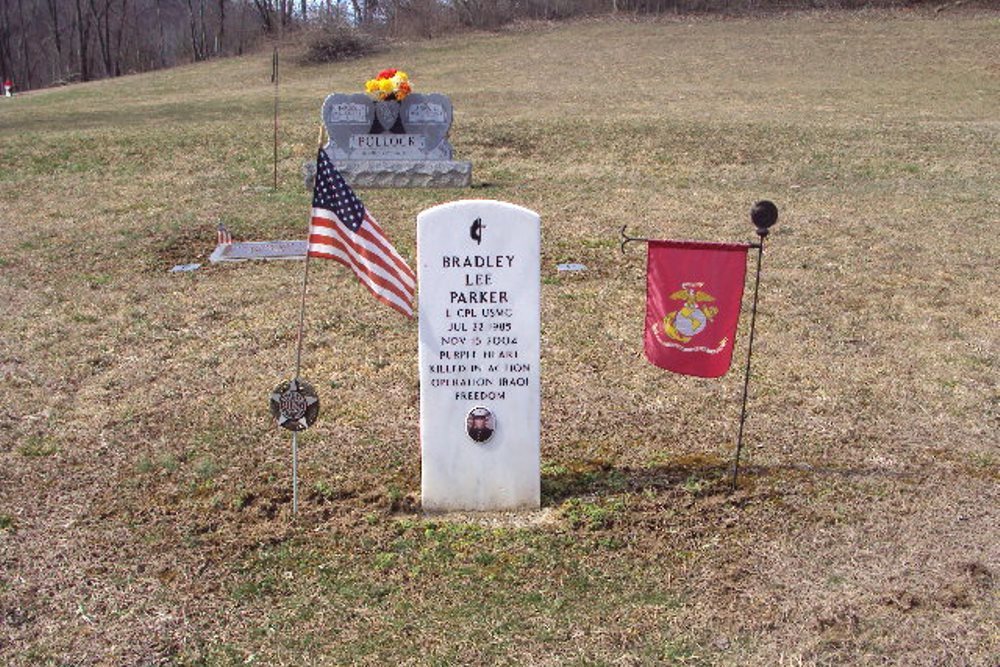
pixel 480 397
pixel 412 152
pixel 241 251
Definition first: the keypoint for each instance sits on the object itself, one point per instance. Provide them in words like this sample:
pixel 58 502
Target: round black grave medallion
pixel 295 405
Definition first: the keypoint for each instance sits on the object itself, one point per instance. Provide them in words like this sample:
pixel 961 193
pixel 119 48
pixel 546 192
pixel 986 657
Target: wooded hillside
pixel 52 42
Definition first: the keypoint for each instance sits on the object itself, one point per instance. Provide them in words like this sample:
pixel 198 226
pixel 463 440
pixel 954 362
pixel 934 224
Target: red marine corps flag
pixel 693 295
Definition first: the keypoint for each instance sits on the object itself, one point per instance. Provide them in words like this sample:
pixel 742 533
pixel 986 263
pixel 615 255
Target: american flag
pixel 223 237
pixel 341 229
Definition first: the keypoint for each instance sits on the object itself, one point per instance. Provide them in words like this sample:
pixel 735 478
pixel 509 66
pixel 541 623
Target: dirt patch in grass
pixel 185 245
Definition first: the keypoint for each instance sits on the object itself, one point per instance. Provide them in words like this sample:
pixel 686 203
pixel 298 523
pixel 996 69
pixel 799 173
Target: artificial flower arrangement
pixel 390 84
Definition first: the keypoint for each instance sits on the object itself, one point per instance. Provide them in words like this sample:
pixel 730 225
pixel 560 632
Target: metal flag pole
pixel 295 404
pixel 274 77
pixel 298 357
pixel 305 277
pixel 302 311
pixel 763 215
pixel 295 473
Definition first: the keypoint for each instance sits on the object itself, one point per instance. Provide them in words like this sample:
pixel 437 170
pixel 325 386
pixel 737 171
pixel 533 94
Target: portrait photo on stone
pixel 480 424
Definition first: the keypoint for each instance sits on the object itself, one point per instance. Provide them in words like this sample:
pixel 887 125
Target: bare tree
pixel 100 11
pixel 25 54
pixel 83 40
pixel 265 9
pixel 48 41
pixel 197 46
pixel 220 32
pixel 52 6
pixel 120 37
pixel 6 58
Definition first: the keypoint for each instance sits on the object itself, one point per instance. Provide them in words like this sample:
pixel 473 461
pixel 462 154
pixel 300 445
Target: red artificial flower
pixel 387 73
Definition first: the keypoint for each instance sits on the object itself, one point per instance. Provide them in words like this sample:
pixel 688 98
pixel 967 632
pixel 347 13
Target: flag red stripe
pixel 355 240
pixel 357 253
pixel 385 283
pixel 403 266
pixel 406 310
pixel 360 250
pixel 402 305
pixel 365 276
pixel 371 233
pixel 326 251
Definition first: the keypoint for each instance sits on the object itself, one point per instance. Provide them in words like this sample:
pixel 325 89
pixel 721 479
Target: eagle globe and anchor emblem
pixel 681 326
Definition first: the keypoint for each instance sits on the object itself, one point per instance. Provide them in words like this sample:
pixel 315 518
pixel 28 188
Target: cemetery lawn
pixel 145 499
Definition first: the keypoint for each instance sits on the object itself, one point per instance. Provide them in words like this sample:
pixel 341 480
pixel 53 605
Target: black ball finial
pixel 763 215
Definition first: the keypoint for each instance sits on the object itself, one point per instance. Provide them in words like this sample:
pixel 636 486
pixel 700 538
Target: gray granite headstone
pixel 346 116
pixel 429 116
pixel 413 152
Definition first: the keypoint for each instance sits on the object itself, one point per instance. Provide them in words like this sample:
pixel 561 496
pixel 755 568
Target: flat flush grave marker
pixel 480 397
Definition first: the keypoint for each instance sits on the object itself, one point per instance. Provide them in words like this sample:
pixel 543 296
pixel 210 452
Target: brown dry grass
pixel 144 495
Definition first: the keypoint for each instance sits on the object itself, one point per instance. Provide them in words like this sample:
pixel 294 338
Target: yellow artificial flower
pixel 384 86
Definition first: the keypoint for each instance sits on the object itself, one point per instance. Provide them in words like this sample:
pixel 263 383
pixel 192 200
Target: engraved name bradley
pixel 479 280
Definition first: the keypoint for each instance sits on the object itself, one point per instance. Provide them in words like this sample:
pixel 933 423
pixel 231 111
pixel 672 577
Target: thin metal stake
pixel 295 473
pixel 274 77
pixel 746 377
pixel 298 362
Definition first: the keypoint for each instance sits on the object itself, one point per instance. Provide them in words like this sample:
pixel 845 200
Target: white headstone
pixel 480 398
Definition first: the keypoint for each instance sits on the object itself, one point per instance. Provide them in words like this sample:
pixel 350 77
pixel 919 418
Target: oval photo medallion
pixel 480 423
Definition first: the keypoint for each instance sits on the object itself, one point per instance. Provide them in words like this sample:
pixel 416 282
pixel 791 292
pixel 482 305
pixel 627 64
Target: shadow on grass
pixel 694 474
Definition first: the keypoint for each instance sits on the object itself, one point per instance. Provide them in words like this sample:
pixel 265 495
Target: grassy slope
pixel 144 497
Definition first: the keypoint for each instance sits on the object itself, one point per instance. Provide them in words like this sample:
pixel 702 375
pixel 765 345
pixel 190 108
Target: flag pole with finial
pixel 763 215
